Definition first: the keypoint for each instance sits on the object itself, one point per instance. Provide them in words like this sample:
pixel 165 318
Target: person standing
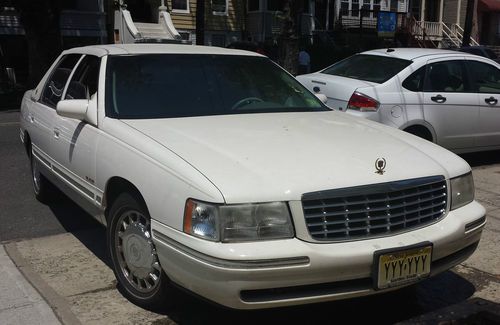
pixel 304 62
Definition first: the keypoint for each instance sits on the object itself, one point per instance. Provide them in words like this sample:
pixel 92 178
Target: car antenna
pixel 390 50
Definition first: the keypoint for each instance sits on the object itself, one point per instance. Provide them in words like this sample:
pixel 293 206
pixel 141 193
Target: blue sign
pixel 386 23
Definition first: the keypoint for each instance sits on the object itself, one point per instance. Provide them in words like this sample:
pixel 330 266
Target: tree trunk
pixel 290 36
pixel 40 20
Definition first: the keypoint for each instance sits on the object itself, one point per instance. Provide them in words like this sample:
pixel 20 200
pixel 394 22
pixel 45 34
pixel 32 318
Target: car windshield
pixel 374 68
pixel 184 85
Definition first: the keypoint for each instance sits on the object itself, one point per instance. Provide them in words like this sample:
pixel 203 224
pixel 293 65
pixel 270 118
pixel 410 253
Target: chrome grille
pixel 374 210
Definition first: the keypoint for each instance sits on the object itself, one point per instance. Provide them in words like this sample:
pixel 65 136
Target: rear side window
pixel 415 82
pixel 55 84
pixel 84 82
pixel 485 78
pixel 446 76
pixel 374 68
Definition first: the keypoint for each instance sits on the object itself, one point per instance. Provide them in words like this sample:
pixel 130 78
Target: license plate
pixel 400 267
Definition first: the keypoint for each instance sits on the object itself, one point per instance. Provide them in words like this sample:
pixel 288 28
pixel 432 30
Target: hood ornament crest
pixel 380 164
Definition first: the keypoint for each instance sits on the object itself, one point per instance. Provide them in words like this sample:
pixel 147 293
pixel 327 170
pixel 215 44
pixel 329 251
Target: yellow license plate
pixel 404 266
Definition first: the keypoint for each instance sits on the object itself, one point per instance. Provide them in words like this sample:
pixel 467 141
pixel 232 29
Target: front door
pixel 485 80
pixel 76 142
pixel 449 104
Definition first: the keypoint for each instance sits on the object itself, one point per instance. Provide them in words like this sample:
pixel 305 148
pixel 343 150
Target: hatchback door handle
pixel 491 101
pixel 438 99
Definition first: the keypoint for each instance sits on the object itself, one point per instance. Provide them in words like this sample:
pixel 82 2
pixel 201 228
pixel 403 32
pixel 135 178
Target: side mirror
pixel 73 108
pixel 79 109
pixel 322 97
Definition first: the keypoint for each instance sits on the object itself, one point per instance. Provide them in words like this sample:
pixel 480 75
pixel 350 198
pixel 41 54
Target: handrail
pixel 449 34
pixel 457 29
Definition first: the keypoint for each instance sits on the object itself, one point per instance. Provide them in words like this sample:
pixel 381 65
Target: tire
pixel 42 188
pixel 133 255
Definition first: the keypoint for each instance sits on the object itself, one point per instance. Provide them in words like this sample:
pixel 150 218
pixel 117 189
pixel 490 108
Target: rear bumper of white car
pixel 287 272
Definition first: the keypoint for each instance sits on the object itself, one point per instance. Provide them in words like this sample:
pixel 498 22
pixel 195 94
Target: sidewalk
pixel 20 303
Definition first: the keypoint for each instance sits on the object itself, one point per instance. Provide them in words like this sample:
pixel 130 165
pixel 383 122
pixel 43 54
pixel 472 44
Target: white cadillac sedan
pixel 448 97
pixel 215 170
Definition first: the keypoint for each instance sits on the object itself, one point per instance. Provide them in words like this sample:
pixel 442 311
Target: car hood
pixel 280 156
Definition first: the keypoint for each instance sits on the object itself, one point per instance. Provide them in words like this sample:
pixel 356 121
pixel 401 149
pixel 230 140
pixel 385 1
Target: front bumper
pixel 288 272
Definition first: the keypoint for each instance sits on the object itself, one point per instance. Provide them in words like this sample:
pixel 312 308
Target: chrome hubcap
pixel 136 252
pixel 35 173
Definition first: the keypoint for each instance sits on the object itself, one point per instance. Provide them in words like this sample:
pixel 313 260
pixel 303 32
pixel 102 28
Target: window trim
pixel 472 81
pixel 424 69
pixel 53 69
pixel 220 13
pixel 63 97
pixel 467 81
pixel 180 11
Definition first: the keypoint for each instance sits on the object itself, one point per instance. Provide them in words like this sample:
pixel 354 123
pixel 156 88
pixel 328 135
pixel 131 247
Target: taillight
pixel 363 103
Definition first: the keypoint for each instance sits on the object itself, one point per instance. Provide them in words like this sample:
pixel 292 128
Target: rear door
pixel 449 103
pixel 485 80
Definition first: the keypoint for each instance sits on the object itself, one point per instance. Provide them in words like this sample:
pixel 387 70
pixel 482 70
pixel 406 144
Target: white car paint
pixel 247 158
pixel 464 123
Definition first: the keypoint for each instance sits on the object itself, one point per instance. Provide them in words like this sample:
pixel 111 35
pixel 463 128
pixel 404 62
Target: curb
pixel 58 304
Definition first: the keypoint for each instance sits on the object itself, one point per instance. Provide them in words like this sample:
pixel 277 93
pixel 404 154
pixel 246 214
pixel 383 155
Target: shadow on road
pixel 441 291
pixel 78 222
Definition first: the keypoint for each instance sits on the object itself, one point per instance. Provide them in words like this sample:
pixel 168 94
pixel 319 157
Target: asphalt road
pixel 23 218
pixel 21 215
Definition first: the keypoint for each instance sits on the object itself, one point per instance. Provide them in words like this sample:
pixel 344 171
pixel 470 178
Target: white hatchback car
pixel 448 97
pixel 216 170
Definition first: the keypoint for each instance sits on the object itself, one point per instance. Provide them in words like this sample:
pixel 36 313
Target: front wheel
pixel 134 257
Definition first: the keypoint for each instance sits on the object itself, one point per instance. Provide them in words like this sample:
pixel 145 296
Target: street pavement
pixel 56 268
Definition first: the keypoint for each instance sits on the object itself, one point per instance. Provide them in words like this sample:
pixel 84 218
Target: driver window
pixel 83 84
pixel 55 84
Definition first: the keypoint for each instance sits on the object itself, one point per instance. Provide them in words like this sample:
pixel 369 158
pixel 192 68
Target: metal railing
pixel 459 31
pixel 367 19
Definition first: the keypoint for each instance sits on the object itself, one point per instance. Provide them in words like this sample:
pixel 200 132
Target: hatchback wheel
pixel 133 253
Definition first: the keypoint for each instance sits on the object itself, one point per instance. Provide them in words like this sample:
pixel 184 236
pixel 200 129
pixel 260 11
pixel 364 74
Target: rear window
pixel 373 68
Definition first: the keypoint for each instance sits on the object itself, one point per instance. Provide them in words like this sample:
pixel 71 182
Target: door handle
pixel 56 133
pixel 438 99
pixel 32 118
pixel 491 101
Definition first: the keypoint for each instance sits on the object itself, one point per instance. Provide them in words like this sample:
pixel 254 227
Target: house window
pixel 253 5
pixel 180 5
pixel 355 8
pixel 344 7
pixel 376 5
pixel 275 5
pixel 219 7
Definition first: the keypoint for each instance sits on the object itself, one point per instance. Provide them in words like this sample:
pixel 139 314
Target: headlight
pixel 462 190
pixel 242 222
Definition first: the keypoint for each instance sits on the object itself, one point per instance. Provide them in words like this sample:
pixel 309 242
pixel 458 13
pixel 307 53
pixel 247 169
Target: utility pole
pixel 200 22
pixel 468 22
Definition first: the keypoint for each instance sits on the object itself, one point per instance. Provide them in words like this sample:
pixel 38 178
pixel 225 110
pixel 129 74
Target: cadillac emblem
pixel 380 164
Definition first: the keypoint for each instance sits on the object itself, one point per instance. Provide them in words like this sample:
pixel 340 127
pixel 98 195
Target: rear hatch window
pixel 373 68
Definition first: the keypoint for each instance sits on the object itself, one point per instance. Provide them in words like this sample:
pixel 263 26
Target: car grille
pixel 374 210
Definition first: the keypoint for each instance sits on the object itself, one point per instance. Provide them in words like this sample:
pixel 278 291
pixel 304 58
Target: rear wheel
pixel 42 188
pixel 420 131
pixel 133 253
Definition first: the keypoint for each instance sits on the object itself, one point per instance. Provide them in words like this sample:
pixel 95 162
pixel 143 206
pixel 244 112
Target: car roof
pixel 130 49
pixel 414 53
